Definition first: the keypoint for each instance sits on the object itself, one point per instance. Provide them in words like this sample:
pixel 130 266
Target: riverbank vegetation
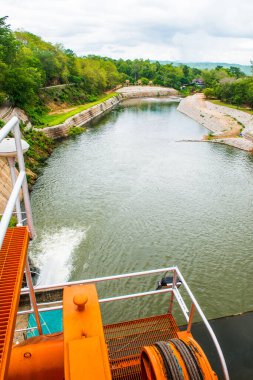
pixel 229 86
pixel 40 148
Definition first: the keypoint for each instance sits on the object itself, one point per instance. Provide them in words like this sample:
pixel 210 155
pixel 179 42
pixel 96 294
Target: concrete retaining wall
pixel 146 91
pixel 84 117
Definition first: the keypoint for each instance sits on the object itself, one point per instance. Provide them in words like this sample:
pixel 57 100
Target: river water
pixel 128 196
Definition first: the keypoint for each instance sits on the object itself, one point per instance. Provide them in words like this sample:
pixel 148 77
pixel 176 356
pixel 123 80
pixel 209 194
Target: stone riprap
pixel 240 143
pixel 244 118
pixel 220 120
pixel 146 91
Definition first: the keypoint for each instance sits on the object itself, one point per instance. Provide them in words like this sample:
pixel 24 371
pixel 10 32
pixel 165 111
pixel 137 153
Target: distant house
pixel 198 82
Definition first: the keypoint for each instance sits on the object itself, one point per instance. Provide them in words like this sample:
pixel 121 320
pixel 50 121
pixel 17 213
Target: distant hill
pixel 210 65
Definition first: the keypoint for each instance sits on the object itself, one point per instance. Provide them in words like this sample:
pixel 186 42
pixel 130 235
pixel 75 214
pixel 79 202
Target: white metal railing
pixel 19 183
pixel 172 289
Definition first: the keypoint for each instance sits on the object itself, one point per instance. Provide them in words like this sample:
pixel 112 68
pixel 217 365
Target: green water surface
pixel 128 196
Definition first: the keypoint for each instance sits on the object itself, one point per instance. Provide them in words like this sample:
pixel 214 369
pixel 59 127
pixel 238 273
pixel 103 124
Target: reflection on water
pixel 125 196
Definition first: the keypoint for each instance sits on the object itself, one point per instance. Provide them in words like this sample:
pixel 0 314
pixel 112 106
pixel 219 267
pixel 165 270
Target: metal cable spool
pixel 189 358
pixel 198 353
pixel 152 364
pixel 177 359
pixel 171 364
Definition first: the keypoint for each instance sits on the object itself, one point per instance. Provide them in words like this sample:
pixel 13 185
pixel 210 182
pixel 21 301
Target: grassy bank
pixel 219 103
pixel 58 118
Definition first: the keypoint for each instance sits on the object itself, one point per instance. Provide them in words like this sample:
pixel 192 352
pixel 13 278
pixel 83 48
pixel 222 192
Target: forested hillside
pixel 27 63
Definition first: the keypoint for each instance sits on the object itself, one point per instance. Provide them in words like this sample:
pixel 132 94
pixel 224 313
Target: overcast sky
pixel 178 30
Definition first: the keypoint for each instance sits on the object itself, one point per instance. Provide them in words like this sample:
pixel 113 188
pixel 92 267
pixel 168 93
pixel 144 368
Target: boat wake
pixel 54 254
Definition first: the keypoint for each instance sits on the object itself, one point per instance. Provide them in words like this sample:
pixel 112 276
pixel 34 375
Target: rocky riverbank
pixel 229 126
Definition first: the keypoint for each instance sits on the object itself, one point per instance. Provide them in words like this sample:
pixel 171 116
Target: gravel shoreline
pixel 224 122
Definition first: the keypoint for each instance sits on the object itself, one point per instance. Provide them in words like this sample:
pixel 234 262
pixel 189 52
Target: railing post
pixel 21 165
pixel 189 326
pixel 32 295
pixel 174 284
pixel 11 162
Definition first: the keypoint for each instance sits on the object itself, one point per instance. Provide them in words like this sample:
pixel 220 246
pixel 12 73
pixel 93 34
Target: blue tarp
pixel 51 322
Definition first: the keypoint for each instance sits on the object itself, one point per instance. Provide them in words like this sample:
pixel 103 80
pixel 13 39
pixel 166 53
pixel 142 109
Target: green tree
pixel 8 43
pixel 22 85
pixel 236 72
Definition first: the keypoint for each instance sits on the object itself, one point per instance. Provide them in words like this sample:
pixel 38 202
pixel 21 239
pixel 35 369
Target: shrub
pixel 144 81
pixel 209 93
pixel 2 97
pixel 73 131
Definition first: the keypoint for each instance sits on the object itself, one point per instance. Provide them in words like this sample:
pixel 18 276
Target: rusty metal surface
pixel 12 261
pixel 125 340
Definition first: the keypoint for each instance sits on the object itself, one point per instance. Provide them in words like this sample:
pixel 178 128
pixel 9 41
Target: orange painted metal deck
pixel 12 262
pixel 125 341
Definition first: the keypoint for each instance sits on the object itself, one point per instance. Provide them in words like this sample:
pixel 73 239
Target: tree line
pixel 229 85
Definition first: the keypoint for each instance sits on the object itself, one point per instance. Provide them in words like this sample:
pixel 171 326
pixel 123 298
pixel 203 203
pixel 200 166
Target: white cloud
pixel 205 30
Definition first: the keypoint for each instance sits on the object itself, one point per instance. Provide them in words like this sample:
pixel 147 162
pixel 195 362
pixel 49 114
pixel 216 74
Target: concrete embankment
pixel 84 117
pixel 226 123
pixel 146 91
pixel 80 119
